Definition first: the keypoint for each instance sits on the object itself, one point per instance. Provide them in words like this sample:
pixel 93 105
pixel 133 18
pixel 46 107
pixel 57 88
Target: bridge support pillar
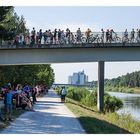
pixel 100 92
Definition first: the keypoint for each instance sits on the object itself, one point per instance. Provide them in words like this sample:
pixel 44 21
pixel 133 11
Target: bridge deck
pixel 66 46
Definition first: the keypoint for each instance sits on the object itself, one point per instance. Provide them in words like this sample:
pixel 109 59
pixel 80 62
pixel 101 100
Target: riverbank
pixel 98 123
pixel 135 90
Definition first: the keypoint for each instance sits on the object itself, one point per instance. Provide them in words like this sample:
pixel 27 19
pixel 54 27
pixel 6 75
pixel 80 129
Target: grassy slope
pixel 97 123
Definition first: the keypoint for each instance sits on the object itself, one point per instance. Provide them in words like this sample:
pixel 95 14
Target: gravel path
pixel 50 117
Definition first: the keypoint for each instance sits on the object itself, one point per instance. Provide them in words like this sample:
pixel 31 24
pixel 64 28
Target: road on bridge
pixel 50 117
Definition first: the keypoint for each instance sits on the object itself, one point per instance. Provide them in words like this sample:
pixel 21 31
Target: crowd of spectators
pixel 59 36
pixel 19 97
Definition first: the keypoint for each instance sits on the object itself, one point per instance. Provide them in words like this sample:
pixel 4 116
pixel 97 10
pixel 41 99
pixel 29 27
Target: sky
pixel 95 18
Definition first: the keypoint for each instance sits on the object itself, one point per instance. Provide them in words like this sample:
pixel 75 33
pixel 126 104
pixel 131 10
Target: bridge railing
pixel 74 38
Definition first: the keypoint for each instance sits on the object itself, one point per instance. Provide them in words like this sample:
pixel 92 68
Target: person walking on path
pixel 63 94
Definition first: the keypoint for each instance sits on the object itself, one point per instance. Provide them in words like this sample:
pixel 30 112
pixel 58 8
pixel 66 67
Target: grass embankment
pixel 98 123
pixel 123 89
pixel 15 114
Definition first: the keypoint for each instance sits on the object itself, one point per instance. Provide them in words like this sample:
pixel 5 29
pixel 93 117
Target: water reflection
pixel 131 103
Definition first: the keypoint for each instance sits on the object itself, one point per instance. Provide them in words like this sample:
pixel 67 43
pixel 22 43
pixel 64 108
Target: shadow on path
pixel 50 117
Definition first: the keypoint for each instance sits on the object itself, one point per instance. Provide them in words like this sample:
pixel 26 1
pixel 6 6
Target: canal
pixel 131 103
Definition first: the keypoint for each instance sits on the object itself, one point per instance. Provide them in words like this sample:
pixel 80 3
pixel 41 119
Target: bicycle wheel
pixel 99 40
pixel 83 40
pixel 118 40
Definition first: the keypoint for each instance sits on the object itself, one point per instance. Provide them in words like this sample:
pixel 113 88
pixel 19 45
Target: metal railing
pixel 74 38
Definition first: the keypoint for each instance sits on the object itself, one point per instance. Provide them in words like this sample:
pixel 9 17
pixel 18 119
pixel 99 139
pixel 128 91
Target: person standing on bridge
pixel 59 36
pixel 87 33
pixel 40 36
pixel 79 36
pixel 33 33
pixel 107 36
pixel 63 94
pixel 55 36
pixel 102 35
pixel 132 39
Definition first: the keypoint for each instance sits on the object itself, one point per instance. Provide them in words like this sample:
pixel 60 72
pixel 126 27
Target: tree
pixel 11 24
pixel 40 74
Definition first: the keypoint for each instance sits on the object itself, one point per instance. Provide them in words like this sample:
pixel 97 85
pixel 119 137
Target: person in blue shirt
pixel 8 101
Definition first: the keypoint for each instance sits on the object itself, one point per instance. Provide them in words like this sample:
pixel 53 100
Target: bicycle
pixel 116 38
pixel 125 39
pixel 94 39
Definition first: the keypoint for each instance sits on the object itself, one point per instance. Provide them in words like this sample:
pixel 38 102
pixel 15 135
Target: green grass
pixel 98 123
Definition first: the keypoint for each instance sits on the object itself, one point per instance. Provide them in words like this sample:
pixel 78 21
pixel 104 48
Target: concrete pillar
pixel 100 92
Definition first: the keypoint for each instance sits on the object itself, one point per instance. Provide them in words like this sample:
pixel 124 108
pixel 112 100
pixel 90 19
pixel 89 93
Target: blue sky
pixel 118 18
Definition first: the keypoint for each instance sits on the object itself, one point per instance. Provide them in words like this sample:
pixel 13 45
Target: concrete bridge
pixel 72 53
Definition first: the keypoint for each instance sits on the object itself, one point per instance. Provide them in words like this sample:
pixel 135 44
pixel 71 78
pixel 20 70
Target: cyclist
pixel 87 33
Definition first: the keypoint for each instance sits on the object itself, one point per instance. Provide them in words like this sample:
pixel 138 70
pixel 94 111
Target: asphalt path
pixel 50 117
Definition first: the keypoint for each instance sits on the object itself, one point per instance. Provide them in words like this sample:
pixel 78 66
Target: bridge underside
pixel 72 54
pixel 23 56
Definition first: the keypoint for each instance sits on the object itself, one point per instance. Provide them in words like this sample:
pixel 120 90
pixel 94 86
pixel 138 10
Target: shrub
pixel 89 99
pixel 111 104
pixel 77 93
pixel 58 90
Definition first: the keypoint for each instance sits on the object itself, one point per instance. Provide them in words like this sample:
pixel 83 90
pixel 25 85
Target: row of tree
pixel 129 80
pixel 10 23
pixel 30 74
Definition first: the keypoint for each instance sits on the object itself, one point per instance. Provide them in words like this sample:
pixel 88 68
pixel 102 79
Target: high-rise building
pixel 75 78
pixel 69 79
pixel 78 78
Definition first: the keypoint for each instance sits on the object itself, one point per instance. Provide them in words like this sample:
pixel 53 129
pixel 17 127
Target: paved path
pixel 50 117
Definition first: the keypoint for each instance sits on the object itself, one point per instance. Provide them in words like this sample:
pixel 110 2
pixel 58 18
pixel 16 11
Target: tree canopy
pixel 30 74
pixel 10 23
pixel 129 80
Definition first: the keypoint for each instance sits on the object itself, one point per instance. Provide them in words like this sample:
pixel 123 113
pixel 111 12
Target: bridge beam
pixel 100 92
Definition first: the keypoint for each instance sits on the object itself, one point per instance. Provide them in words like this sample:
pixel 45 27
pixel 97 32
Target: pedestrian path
pixel 50 117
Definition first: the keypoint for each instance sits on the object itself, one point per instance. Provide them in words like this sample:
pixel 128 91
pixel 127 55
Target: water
pixel 131 103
